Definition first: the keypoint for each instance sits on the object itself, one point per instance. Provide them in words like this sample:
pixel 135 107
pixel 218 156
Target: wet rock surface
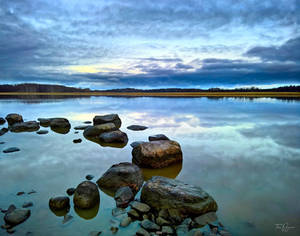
pixel 11 149
pixel 116 136
pixel 157 137
pixel 59 203
pixel 182 200
pixel 13 118
pixel 110 118
pixel 79 140
pixel 123 196
pixel 96 130
pixel 121 175
pixel 28 126
pixel 86 195
pixel 157 154
pixel 137 127
pixel 16 216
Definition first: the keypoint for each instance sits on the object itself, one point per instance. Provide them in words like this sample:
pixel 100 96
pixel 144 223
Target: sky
pixel 150 43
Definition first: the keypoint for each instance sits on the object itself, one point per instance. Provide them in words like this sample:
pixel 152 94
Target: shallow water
pixel 245 153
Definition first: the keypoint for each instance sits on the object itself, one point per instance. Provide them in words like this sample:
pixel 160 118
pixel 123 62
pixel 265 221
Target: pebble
pixel 20 193
pixel 11 149
pixel 31 192
pixel 77 140
pixel 89 177
pixel 71 191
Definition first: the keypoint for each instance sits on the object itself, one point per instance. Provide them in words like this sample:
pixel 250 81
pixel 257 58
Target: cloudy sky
pixel 150 43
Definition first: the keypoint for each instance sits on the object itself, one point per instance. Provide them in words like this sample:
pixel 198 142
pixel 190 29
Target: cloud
pixel 289 51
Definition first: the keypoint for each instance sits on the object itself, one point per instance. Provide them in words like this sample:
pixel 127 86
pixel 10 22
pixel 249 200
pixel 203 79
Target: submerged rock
pixel 28 126
pixel 3 131
pixel 27 204
pixel 182 200
pixel 16 216
pixel 2 121
pixel 157 154
pixel 207 218
pixel 116 136
pixel 11 149
pixel 121 175
pixel 93 131
pixel 86 195
pixel 137 127
pixel 110 118
pixel 158 137
pixel 149 225
pixel 123 196
pixel 59 203
pixel 140 207
pixel 42 132
pixel 13 118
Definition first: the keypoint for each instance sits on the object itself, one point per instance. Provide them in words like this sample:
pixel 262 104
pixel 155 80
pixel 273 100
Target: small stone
pixel 20 193
pixel 89 177
pixel 140 207
pixel 224 233
pixel 114 229
pixel 11 149
pixel 163 213
pixel 77 140
pixel 123 196
pixel 126 221
pixel 118 211
pixel 182 230
pixel 27 204
pixel 137 127
pixel 87 122
pixel 31 192
pixel 161 221
pixel 42 132
pixel 187 222
pixel 167 230
pixel 149 225
pixel 70 191
pixel 145 216
pixel 206 218
pixel 133 213
pixel 67 218
pixel 142 232
pixel 158 137
pixel 76 132
pixel 95 233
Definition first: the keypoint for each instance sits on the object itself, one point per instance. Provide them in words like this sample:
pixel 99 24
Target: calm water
pixel 245 153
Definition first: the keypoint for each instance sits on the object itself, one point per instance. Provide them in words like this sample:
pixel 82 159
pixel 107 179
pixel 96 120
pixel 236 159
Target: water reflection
pixel 170 172
pixel 103 144
pixel 87 214
pixel 59 213
pixel 61 130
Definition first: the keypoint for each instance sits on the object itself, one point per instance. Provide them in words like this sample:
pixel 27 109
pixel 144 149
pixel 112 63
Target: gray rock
pixel 93 131
pixel 31 192
pixel 182 230
pixel 123 196
pixel 81 127
pixel 28 126
pixel 71 191
pixel 11 149
pixel 125 221
pixel 133 213
pixel 161 221
pixel 45 122
pixel 17 216
pixel 207 218
pixel 158 137
pixel 27 204
pixel 137 127
pixel 42 132
pixel 59 203
pixel 20 193
pixel 13 118
pixel 86 195
pixel 116 136
pixel 149 225
pixel 121 175
pixel 110 118
pixel 167 230
pixel 182 199
pixel 140 207
pixel 135 144
pixel 77 140
pixel 142 232
pixel 2 121
pixel 3 131
pixel 157 154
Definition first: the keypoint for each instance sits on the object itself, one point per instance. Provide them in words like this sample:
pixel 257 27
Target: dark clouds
pixel 150 43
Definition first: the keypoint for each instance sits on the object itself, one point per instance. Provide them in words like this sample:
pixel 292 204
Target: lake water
pixel 245 153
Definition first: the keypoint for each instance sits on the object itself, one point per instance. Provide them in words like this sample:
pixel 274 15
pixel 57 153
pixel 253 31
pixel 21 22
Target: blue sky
pixel 150 43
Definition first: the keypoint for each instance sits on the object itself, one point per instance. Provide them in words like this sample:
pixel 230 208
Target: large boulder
pixel 45 122
pixel 110 118
pixel 16 216
pixel 28 126
pixel 157 154
pixel 13 118
pixel 86 195
pixel 96 130
pixel 178 198
pixel 116 136
pixel 121 175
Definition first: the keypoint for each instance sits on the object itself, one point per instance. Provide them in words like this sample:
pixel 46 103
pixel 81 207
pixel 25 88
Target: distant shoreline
pixel 158 94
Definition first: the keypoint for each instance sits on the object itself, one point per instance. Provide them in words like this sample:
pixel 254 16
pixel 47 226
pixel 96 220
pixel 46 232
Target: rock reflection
pixel 61 130
pixel 103 144
pixel 87 214
pixel 60 213
pixel 169 172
